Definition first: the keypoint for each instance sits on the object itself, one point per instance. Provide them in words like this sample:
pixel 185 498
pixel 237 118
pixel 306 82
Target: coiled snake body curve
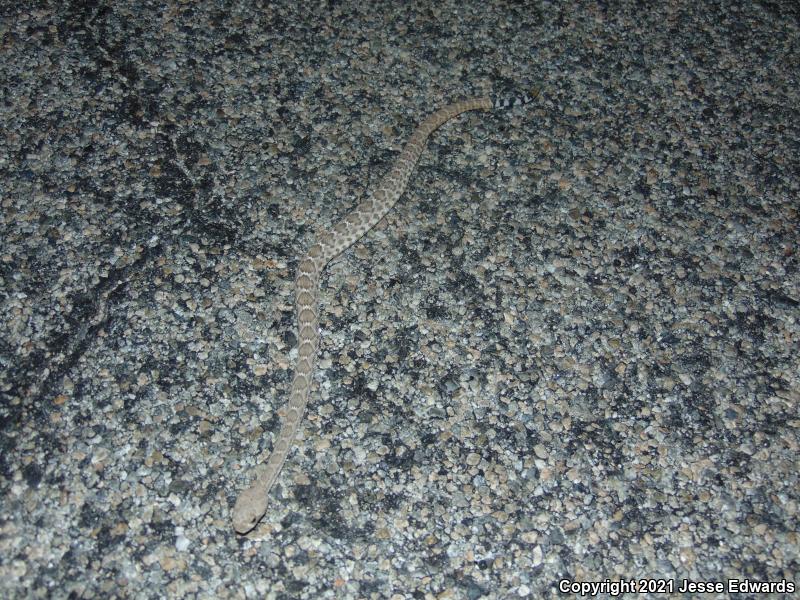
pixel 252 502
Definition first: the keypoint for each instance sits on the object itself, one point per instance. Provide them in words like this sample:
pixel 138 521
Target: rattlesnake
pixel 252 502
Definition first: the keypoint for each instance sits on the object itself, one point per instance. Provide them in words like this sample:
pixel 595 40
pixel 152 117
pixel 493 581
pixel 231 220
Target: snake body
pixel 252 502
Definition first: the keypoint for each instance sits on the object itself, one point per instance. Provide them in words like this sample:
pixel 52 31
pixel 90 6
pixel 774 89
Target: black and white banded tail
pixel 499 103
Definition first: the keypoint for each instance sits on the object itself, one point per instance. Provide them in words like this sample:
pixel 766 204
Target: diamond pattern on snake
pixel 252 502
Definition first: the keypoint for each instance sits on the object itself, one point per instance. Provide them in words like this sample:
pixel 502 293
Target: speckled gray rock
pixel 569 353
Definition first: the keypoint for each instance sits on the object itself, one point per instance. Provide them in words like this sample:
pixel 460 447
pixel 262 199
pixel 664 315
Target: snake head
pixel 249 508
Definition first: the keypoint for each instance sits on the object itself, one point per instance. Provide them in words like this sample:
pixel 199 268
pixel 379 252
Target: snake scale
pixel 252 502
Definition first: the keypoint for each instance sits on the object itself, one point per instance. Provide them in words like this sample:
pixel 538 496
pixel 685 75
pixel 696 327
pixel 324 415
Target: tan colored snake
pixel 252 502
